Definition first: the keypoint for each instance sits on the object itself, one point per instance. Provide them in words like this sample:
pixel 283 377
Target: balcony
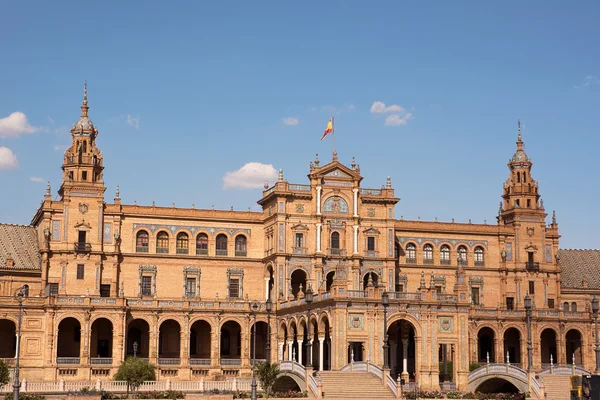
pixel 405 296
pixel 532 266
pixel 336 252
pixel 240 253
pixel 81 247
pixel 101 360
pixel 299 250
pixel 201 252
pixel 357 293
pixel 68 360
pixel 444 262
pixel 182 251
pixel 447 298
pixel 169 361
pixel 141 249
pixel 479 263
pixel 428 261
pixel 221 252
pixel 162 250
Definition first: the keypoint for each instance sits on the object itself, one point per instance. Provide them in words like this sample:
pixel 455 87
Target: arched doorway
pixel 485 345
pixel 69 341
pixel 298 282
pixel 548 346
pixel 270 281
pixel 138 333
pixel 230 343
pixel 574 347
pixel 512 346
pixel 497 385
pixel 370 277
pixel 200 340
pixel 329 280
pixel 101 342
pixel 283 338
pixel 261 340
pixel 401 337
pixel 169 342
pixel 8 339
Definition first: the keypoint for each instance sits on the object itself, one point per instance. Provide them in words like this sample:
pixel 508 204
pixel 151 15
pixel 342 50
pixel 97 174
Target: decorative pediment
pixel 531 247
pixel 83 225
pixel 337 173
pixel 300 227
pixel 371 231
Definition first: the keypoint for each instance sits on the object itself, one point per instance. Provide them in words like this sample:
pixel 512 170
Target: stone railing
pixel 62 386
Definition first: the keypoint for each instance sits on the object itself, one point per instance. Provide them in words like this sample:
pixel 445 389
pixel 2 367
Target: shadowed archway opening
pixel 574 347
pixel 69 340
pixel 101 341
pixel 138 332
pixel 261 340
pixel 497 385
pixel 329 280
pixel 8 339
pixel 285 384
pixel 401 337
pixel 548 346
pixel 169 340
pixel 512 346
pixel 200 342
pixel 370 278
pixel 485 345
pixel 298 283
pixel 231 340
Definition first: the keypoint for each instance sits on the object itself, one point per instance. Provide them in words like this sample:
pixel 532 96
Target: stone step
pixel 557 387
pixel 353 385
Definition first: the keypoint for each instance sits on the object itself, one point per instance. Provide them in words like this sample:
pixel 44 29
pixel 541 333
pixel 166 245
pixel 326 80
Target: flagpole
pixel 332 137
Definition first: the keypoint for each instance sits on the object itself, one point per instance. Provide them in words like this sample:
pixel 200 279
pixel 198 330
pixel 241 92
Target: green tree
pixel 135 371
pixel 267 375
pixel 4 373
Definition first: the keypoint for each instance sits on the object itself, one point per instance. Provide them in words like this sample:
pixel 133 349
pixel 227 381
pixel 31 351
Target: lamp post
pixel 135 349
pixel 597 348
pixel 308 296
pixel 385 301
pixel 529 346
pixel 20 294
pixel 254 307
pixel 268 307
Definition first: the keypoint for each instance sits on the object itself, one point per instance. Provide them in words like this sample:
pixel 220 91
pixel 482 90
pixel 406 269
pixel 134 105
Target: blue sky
pixel 185 92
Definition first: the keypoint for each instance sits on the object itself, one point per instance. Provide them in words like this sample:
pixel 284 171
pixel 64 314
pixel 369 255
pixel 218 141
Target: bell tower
pixel 82 164
pixel 521 198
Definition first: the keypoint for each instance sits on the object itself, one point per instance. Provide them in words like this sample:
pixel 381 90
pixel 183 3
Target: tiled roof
pixel 20 243
pixel 579 265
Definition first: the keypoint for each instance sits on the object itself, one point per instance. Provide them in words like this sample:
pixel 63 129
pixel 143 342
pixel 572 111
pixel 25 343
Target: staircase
pixel 557 386
pixel 353 385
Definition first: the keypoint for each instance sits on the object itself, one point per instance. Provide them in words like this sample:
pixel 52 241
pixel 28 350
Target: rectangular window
pixel 438 289
pixel 84 176
pixel 234 288
pixel 190 287
pixel 475 296
pixel 531 287
pixel 550 303
pixel 146 286
pixel 401 288
pixel 371 243
pixel 80 269
pixel 104 290
pixel 53 289
pixel 510 303
pixel 299 240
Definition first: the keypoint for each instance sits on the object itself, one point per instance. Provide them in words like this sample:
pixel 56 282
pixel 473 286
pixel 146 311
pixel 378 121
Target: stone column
pixel 318 200
pixel 318 238
pixel 299 342
pixel 405 359
pixel 321 340
pixel 355 239
pixel 280 358
pixel 215 346
pixel 355 202
pixel 290 350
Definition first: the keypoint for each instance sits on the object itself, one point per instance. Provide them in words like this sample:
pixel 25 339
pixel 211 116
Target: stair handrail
pixel 312 384
pixel 392 385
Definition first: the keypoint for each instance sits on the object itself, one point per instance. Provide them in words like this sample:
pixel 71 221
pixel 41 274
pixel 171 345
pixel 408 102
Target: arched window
pixel 221 245
pixel 141 242
pixel 182 245
pixel 411 253
pixel 335 243
pixel 445 255
pixel 202 244
pixel 240 246
pixel 162 242
pixel 573 307
pixel 566 307
pixel 428 254
pixel 479 260
pixel 462 255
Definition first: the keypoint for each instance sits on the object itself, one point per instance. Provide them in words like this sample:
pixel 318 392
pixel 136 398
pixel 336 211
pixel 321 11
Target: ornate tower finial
pixel 519 139
pixel 48 190
pixel 85 93
pixel 353 165
pixel 117 193
pixel 317 160
pixel 553 217
pixel 266 185
pixel 388 184
pixel 280 176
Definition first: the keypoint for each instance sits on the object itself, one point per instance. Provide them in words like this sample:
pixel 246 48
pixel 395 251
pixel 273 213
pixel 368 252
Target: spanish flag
pixel 328 129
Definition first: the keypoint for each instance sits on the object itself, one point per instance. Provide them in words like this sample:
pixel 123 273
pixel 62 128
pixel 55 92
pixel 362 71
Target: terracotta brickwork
pixel 175 285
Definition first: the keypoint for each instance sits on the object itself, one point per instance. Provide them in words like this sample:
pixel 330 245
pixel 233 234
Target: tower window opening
pixel 518 177
pixel 85 146
pixel 524 177
pixel 528 203
pixel 517 203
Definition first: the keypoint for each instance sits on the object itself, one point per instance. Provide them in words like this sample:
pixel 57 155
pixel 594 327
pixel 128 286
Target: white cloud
pixel 133 121
pixel 395 119
pixel 37 179
pixel 60 147
pixel 14 125
pixel 379 107
pixel 291 121
pixel 252 175
pixel 588 81
pixel 7 159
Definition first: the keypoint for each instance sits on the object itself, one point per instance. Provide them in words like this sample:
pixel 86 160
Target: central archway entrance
pixel 401 336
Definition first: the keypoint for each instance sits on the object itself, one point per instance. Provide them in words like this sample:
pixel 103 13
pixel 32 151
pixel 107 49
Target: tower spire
pixel 84 106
